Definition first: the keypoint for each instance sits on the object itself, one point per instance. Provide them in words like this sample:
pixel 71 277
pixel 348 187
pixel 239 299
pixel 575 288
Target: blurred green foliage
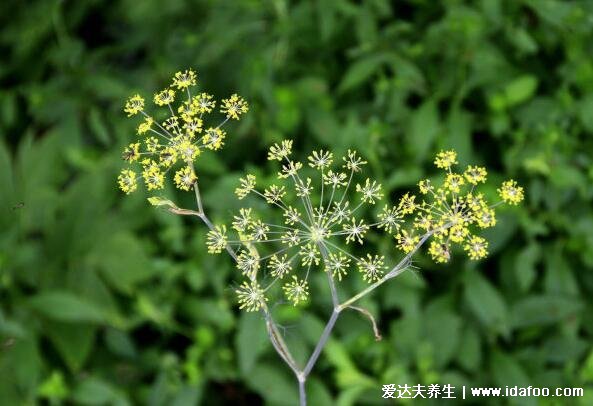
pixel 105 300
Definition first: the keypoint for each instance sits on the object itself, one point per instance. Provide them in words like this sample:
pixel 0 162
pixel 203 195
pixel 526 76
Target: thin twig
pixel 368 314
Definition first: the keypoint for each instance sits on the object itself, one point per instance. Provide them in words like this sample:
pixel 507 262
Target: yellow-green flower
pixel 127 181
pixel 153 178
pixel 309 254
pixel 164 97
pixel 145 126
pixel 453 182
pixel 406 241
pixel 213 138
pixel 439 251
pixel 251 296
pixel 280 151
pixel 510 192
pixel 476 247
pixel 279 266
pixel 185 79
pixel 390 219
pixel 203 103
pixel 248 263
pixel 407 204
pixel 216 240
pixel 445 159
pixel 168 156
pixel 296 291
pixel 247 184
pixel 425 186
pixel 185 178
pixel 234 106
pixel 134 105
pixel 132 152
pixel 475 174
pixel 320 159
pixel 174 137
pixel 370 192
pixel 337 264
pixel 371 267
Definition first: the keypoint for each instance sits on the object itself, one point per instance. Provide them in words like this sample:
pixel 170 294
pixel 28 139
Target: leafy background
pixel 105 300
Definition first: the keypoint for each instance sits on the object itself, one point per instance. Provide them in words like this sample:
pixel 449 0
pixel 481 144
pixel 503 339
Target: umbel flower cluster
pixel 172 142
pixel 323 206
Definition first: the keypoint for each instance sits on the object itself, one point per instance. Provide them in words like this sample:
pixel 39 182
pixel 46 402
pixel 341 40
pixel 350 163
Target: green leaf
pixel 520 90
pixel 424 127
pixel 123 261
pixel 486 302
pixel 67 307
pixel 272 383
pixel 507 371
pixel 159 201
pixel 525 266
pixel 251 340
pixel 361 71
pixel 74 342
pixel 471 356
pixel 543 309
pixel 94 391
pixel 441 329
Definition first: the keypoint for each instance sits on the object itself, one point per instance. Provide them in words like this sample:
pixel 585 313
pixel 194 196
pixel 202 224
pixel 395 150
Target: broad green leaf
pixel 486 302
pixel 94 391
pixel 361 71
pixel 507 371
pixel 273 384
pixel 123 261
pixel 66 307
pixel 442 329
pixel 520 90
pixel 525 266
pixel 251 340
pixel 543 309
pixel 424 127
pixel 74 342
pixel 471 356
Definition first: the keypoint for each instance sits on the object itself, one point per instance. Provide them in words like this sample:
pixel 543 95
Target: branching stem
pixel 274 334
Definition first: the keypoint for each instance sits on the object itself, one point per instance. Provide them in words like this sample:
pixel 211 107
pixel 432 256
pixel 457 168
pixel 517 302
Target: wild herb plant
pixel 325 208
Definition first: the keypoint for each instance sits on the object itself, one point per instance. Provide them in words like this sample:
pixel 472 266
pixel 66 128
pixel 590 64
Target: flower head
pixel 445 159
pixel 127 181
pixel 234 106
pixel 297 290
pixel 185 178
pixel 178 139
pixel 318 221
pixel 185 79
pixel 510 192
pixel 134 105
pixel 371 267
pixel 450 213
pixel 164 97
pixel 217 239
pixel 251 296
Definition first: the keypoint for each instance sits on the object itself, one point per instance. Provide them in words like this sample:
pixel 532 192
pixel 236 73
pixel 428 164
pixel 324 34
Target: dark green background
pixel 105 300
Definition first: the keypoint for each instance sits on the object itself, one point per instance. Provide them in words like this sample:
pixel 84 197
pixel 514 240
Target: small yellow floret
pixel 134 105
pixel 213 138
pixel 164 97
pixel 185 178
pixel 510 192
pixel 234 106
pixel 127 181
pixel 184 79
pixel 476 247
pixel 475 174
pixel 445 159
